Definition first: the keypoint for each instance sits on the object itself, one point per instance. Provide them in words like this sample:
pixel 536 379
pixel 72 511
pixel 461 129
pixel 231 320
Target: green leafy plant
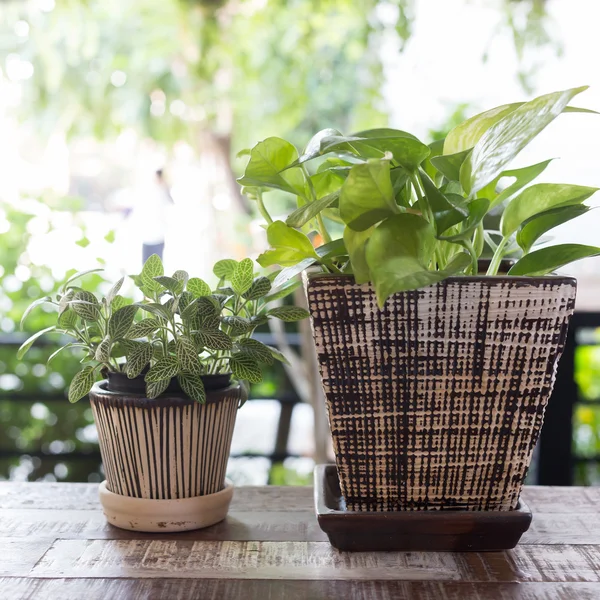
pixel 410 214
pixel 181 329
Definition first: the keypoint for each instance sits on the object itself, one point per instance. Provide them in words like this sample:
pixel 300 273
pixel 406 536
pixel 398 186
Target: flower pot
pixel 436 401
pixel 166 456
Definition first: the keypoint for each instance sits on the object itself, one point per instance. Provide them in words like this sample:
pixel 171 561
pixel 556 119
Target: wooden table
pixel 56 545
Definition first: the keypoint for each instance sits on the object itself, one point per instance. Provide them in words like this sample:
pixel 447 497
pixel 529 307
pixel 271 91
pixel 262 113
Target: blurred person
pixel 151 216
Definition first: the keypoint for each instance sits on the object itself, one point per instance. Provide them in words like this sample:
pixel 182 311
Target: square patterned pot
pixel 437 400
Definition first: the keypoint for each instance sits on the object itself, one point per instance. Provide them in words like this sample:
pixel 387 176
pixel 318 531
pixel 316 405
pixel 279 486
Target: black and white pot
pixel 437 400
pixel 165 459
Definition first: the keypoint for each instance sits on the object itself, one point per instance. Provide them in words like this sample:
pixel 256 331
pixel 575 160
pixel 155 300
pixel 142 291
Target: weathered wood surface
pixel 55 543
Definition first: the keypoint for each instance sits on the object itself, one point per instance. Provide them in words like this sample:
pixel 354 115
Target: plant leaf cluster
pixel 181 329
pixel 414 214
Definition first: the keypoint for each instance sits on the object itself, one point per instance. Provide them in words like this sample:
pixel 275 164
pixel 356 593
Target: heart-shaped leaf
pixel 242 276
pixel 532 229
pixel 223 269
pixel 506 138
pixel 447 210
pixel 153 267
pixel 155 388
pixel 187 355
pixel 356 243
pixel 544 261
pixel 138 358
pixel 257 350
pixel 143 328
pixel 165 368
pixel 213 339
pixel 260 287
pixel 289 246
pixel 539 198
pixel 367 196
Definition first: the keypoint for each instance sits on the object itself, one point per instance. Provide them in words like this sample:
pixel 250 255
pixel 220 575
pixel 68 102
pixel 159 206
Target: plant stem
pixel 469 246
pixel 262 208
pixel 323 230
pixel 421 198
pixel 497 258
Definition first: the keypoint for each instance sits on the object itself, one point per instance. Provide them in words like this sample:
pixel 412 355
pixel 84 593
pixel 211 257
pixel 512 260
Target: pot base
pixel 419 530
pixel 155 516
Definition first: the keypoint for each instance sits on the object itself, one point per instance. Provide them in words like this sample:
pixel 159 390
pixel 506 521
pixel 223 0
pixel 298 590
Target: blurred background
pixel 120 125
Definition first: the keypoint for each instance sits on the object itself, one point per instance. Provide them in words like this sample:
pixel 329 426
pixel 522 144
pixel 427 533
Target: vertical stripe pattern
pixel 437 400
pixel 167 448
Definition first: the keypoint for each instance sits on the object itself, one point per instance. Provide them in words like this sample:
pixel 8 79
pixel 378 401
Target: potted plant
pixel 436 365
pixel 166 406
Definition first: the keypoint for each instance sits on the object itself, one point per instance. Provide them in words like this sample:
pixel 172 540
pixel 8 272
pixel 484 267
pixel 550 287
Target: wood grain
pixel 84 496
pixel 309 560
pixel 56 544
pixel 18 557
pixel 217 589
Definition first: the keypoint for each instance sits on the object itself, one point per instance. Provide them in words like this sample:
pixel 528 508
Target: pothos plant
pixel 410 214
pixel 181 329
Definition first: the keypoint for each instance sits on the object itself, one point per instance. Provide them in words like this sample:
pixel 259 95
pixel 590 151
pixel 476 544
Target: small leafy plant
pixel 181 329
pixel 408 214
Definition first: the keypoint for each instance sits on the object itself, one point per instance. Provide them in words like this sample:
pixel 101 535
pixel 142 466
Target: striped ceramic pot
pixel 164 457
pixel 437 400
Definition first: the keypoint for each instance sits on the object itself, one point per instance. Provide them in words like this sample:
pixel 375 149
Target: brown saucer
pixel 450 531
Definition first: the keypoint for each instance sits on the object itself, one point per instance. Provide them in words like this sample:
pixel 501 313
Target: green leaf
pixel 532 229
pixel 86 305
pixel 283 292
pixel 277 355
pixel 77 276
pixel 257 350
pixel 539 198
pixel 61 348
pixel 406 149
pixel 238 325
pixel 165 368
pixel 290 246
pixel 367 196
pixel 207 323
pixel 313 148
pixel 67 320
pixel 465 135
pixel 143 328
pixel 81 384
pixel 245 367
pixel 214 339
pixel 29 342
pixel 103 350
pixel 207 306
pixel 121 321
pixel 182 276
pixel 544 261
pixel 449 164
pixel 175 286
pixel 32 306
pixel 288 273
pixel 197 287
pixel 260 287
pixel 356 243
pixel 506 138
pixel 267 161
pixel 157 309
pixel 302 215
pixel 477 210
pixel 138 358
pixel 289 313
pixel 63 301
pixel 155 388
pixel 114 290
pixel 398 255
pixel 223 269
pixel 119 302
pixel 522 178
pixel 332 249
pixel 187 355
pixel 242 276
pixel 447 210
pixel 193 386
pixel 152 268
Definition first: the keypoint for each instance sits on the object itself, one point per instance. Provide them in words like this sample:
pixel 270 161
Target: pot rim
pixel 521 280
pixel 100 393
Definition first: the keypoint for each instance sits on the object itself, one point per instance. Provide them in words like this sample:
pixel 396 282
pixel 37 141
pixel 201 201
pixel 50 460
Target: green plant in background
pixel 189 330
pixel 413 214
